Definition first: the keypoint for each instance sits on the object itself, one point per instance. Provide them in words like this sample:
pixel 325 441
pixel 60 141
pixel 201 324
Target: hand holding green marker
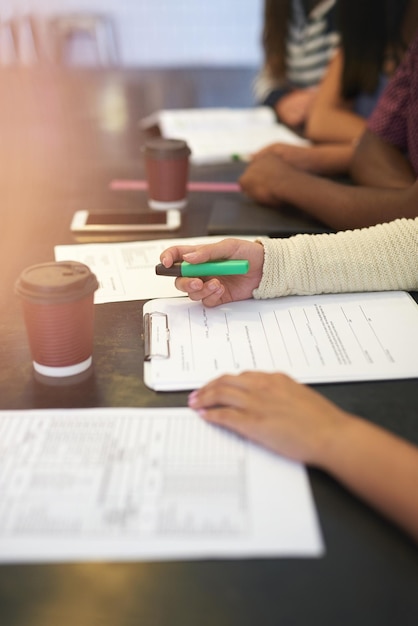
pixel 211 268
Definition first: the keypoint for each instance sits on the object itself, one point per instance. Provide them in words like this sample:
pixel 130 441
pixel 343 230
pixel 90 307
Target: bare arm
pixel 378 164
pixel 270 180
pixel 297 422
pixel 327 159
pixel 330 118
pixel 293 108
pixel 378 467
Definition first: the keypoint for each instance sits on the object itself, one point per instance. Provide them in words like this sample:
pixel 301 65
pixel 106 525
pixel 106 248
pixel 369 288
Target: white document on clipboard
pixel 314 339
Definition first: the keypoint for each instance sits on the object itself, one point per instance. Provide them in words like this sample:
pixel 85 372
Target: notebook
pixel 240 216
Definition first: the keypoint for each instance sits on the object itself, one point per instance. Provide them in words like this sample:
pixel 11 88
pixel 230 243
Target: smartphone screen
pixel 126 218
pixel 125 221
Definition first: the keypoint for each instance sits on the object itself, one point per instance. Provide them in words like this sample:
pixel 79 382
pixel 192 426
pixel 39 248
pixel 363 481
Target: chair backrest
pixel 20 40
pixel 84 39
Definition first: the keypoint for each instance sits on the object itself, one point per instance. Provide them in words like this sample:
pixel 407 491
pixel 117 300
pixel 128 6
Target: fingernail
pixel 213 285
pixel 192 399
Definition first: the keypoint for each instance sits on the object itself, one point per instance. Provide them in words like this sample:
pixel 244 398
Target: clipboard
pixel 315 339
pixel 156 336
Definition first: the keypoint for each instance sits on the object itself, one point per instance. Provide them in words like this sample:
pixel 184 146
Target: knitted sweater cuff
pixel 379 258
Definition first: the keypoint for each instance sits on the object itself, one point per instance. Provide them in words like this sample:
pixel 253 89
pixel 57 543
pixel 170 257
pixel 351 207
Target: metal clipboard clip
pixel 156 336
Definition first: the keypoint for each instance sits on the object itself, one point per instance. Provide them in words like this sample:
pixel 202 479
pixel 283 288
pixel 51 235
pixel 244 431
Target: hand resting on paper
pixel 293 420
pixel 273 410
pixel 214 290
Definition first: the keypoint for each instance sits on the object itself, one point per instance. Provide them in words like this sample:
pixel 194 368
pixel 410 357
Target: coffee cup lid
pixel 60 281
pixel 163 148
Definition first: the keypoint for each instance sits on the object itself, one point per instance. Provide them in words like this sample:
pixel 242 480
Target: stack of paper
pixel 216 135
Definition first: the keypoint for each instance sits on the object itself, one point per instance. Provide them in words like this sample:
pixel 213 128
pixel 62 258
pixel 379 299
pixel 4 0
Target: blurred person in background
pixel 384 166
pixel 374 37
pixel 299 39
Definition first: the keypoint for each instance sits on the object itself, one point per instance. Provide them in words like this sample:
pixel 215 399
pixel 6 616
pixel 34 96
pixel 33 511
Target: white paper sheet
pixel 215 135
pixel 325 338
pixel 134 484
pixel 126 271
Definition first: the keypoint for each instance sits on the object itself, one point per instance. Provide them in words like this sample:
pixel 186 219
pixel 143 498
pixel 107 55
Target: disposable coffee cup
pixel 58 309
pixel 167 173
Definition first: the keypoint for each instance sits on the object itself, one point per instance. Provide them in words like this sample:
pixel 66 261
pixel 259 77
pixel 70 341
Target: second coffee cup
pixel 167 173
pixel 58 308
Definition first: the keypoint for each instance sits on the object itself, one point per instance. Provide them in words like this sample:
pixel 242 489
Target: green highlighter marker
pixel 212 268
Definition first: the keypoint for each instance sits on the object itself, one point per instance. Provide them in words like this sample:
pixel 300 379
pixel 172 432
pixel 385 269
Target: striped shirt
pixel 312 41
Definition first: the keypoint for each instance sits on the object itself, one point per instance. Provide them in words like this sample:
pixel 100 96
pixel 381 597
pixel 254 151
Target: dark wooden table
pixel 64 136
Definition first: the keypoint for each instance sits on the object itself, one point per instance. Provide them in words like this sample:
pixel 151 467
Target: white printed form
pixel 126 270
pixel 131 484
pixel 312 338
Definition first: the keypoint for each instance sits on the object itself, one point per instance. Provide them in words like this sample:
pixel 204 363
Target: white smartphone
pixel 125 222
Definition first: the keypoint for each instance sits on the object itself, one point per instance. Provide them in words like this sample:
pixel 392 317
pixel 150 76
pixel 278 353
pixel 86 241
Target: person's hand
pixel 301 157
pixel 274 411
pixel 266 178
pixel 293 108
pixel 214 290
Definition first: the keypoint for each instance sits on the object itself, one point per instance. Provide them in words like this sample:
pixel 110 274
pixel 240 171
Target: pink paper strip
pixel 192 186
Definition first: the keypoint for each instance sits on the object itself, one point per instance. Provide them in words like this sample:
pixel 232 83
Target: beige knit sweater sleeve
pixel 379 258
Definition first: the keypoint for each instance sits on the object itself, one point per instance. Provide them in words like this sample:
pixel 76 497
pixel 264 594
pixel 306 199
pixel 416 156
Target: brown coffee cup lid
pixel 164 148
pixel 60 281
